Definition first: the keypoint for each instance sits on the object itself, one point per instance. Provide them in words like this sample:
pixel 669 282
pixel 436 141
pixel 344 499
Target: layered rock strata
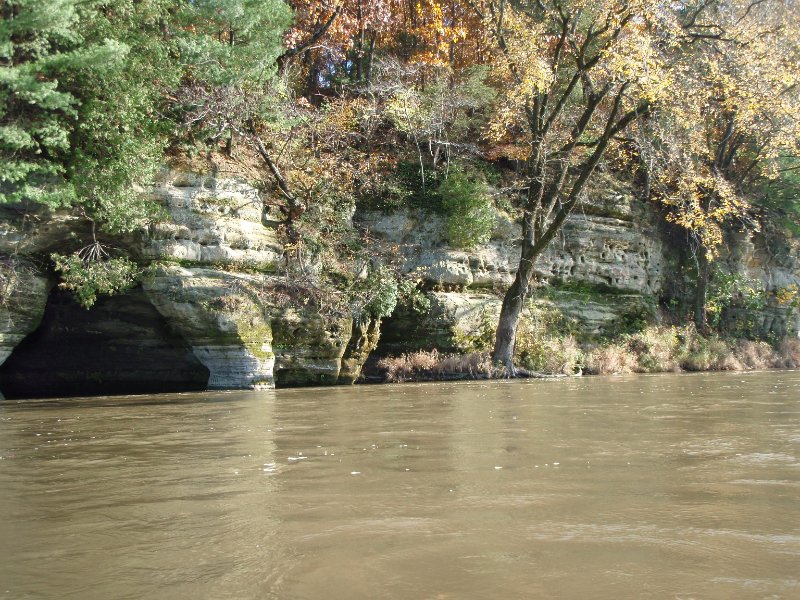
pixel 612 243
pixel 214 255
pixel 217 251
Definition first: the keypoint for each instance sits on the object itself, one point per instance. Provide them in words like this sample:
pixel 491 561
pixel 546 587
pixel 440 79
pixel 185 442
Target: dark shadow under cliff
pixel 121 346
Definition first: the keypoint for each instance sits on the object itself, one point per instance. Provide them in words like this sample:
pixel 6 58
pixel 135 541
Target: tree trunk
pixel 370 55
pixel 703 274
pixel 701 292
pixel 360 48
pixel 513 303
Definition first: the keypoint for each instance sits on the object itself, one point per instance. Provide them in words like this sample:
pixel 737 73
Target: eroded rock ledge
pixel 215 251
pixel 217 248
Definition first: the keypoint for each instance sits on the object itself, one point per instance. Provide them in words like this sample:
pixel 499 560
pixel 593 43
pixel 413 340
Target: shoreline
pixel 653 350
pixel 176 397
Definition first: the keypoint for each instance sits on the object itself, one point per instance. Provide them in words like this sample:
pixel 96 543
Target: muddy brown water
pixel 669 486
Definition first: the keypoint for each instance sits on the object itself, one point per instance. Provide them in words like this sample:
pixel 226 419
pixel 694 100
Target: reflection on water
pixel 674 486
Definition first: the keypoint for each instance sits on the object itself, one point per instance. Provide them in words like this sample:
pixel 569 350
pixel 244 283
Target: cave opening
pixel 405 332
pixel 122 345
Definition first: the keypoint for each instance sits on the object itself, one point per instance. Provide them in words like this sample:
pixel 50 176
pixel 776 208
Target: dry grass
pixel 788 355
pixel 434 366
pixel 245 162
pixel 671 349
pixel 755 355
pixel 614 359
pixel 708 354
pixel 557 356
pixel 654 350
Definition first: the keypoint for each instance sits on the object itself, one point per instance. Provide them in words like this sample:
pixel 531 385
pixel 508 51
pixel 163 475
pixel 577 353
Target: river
pixel 667 486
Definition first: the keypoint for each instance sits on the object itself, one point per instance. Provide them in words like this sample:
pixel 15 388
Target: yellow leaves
pixel 617 43
pixel 731 111
pixel 528 55
pixel 438 26
pixel 702 200
pixel 752 73
pixel 524 70
pixel 637 58
pixel 341 115
pixel 458 33
pixel 788 296
pixel 405 111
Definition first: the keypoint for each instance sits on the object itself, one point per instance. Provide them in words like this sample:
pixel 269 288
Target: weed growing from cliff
pixel 9 277
pixel 655 350
pixel 91 272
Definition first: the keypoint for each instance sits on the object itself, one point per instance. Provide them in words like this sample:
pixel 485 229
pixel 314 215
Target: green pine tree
pixel 123 126
pixel 38 42
pixel 235 41
pixel 232 47
pixel 82 87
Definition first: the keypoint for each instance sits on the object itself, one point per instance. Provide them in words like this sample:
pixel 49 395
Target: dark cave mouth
pixel 121 346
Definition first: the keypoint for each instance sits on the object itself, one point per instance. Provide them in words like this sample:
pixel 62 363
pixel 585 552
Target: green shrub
pixel 733 290
pixel 381 292
pixel 412 298
pixel 468 210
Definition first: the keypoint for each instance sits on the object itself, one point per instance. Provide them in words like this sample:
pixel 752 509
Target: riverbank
pixel 653 350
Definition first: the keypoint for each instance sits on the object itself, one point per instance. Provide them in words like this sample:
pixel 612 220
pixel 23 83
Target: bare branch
pixel 303 46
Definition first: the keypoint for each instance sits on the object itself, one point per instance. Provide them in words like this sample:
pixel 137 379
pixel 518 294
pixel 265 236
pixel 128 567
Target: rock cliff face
pixel 203 310
pixel 775 262
pixel 23 294
pixel 212 221
pixel 616 245
pixel 228 331
pixel 215 251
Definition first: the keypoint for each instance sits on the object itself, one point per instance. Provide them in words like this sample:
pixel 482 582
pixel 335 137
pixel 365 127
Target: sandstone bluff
pixel 198 320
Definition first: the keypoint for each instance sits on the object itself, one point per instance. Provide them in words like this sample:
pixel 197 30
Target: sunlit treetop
pixel 734 110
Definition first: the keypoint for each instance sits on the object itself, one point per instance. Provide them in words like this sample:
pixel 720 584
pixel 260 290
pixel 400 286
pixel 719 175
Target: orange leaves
pixel 432 32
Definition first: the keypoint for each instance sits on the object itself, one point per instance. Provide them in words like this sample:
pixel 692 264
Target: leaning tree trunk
pixel 513 303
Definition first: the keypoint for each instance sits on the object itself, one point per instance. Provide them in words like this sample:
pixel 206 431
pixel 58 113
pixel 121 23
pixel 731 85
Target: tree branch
pixel 303 46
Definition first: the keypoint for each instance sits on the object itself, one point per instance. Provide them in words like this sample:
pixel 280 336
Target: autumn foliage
pixel 332 104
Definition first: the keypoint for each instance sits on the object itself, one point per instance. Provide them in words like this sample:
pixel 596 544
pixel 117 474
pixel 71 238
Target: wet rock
pixel 364 338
